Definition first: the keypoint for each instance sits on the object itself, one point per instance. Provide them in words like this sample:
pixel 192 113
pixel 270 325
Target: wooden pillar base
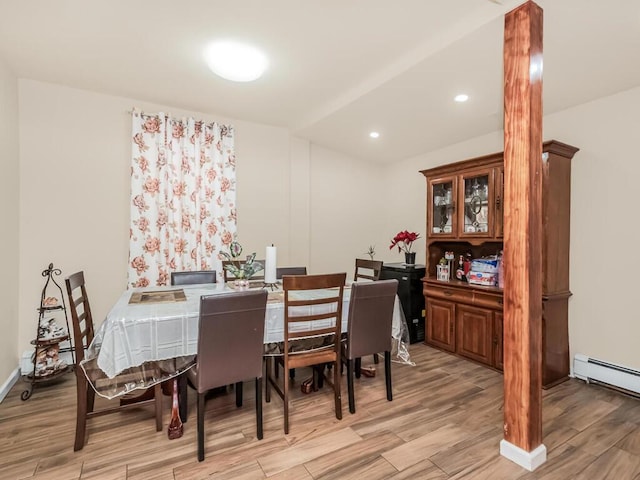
pixel 528 460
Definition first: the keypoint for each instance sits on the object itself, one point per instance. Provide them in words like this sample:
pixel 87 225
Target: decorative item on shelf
pixel 404 240
pixel 241 270
pixel 443 270
pixel 270 268
pixel 450 257
pixel 371 251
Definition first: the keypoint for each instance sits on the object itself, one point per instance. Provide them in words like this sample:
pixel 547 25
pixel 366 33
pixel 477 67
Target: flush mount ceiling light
pixel 235 61
pixel 374 134
pixel 463 97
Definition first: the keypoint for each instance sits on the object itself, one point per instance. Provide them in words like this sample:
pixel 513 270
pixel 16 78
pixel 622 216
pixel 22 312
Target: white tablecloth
pixel 134 335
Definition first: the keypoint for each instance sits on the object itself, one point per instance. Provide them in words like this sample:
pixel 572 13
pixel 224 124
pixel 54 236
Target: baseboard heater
pixel 610 374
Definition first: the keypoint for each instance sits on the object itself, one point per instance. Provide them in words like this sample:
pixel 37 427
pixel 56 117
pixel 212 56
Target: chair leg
pixel 200 426
pixel 183 400
pixel 292 373
pixel 352 400
pixel 336 389
pixel 286 403
pixel 267 386
pixel 375 358
pixel 157 400
pixel 238 394
pixel 387 374
pixel 358 365
pixel 81 412
pixel 259 407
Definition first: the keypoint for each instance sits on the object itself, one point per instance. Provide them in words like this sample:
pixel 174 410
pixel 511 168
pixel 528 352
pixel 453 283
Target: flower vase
pixel 241 284
pixel 410 258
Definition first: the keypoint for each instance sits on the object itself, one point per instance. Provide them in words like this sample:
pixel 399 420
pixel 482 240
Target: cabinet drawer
pixel 487 300
pixel 451 294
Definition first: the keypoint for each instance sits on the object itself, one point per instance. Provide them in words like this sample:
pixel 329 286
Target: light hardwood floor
pixel 444 423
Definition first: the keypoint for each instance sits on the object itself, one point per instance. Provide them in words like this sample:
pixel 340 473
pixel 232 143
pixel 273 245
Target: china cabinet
pixel 52 332
pixel 465 217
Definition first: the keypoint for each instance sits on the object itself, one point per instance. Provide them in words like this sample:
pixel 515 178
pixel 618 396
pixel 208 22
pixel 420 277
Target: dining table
pixel 150 335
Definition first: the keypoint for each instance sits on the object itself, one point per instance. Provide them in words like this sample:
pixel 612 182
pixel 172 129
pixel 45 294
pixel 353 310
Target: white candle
pixel 270 265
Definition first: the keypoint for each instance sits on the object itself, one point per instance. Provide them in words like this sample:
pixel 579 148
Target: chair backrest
pixel 370 317
pixel 192 278
pixel 324 303
pixel 229 276
pixel 280 271
pixel 80 314
pixel 367 269
pixel 230 338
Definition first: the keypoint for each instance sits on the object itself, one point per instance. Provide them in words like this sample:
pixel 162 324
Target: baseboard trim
pixel 529 460
pixel 9 383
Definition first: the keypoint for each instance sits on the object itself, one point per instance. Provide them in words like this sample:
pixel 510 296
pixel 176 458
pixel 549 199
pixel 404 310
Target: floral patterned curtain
pixel 183 198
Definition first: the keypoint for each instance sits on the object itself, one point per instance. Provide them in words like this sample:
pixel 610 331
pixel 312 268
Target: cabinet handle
pixel 447 293
pixel 495 340
pixel 498 202
pixel 501 302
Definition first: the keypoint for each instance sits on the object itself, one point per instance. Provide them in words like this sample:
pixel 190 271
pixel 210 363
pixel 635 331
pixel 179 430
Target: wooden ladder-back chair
pixel 193 278
pixel 230 348
pixel 312 329
pixel 82 336
pixel 367 269
pixel 369 331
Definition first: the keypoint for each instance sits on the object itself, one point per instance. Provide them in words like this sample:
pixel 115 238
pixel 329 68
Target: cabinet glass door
pixel 442 207
pixel 476 214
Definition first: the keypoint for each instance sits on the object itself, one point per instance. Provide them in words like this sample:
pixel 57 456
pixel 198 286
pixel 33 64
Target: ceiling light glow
pixel 235 61
pixel 463 97
pixel 374 134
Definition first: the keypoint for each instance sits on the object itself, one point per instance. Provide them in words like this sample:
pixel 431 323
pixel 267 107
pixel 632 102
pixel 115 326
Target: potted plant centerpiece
pixel 404 240
pixel 242 270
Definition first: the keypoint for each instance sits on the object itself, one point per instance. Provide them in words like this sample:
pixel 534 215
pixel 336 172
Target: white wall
pixel 603 315
pixel 346 199
pixel 9 215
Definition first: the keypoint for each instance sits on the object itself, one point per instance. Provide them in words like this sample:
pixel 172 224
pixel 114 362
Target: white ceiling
pixel 338 68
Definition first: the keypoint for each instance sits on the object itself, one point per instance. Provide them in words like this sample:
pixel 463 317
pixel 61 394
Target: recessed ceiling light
pixel 461 98
pixel 374 134
pixel 235 61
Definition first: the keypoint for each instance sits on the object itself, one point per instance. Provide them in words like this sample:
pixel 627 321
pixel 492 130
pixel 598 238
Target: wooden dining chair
pixel 281 271
pixel 230 349
pixel 367 269
pixel 83 332
pixel 369 331
pixel 317 344
pixel 228 276
pixel 193 278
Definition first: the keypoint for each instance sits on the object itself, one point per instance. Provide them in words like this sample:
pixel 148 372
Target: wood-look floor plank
pixel 356 460
pixel 305 451
pixel 614 464
pixel 424 447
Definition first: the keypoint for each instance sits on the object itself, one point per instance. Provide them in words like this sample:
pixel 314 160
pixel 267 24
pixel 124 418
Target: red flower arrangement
pixel 403 241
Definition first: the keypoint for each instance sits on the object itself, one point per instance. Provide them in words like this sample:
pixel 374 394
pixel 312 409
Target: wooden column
pixel 523 237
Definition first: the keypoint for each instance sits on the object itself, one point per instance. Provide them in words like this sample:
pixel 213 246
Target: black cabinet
pixel 410 295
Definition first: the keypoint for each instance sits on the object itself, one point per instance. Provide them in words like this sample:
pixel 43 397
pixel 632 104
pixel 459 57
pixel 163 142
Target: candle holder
pixel 270 286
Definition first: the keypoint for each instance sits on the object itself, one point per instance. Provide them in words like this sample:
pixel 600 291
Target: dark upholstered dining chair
pixel 367 269
pixel 280 271
pixel 369 331
pixel 230 348
pixel 193 278
pixel 316 346
pixel 82 336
